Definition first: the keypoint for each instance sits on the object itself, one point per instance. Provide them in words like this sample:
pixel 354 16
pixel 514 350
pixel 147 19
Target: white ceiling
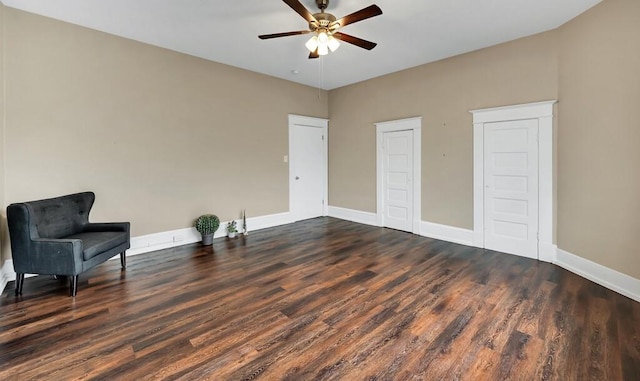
pixel 409 32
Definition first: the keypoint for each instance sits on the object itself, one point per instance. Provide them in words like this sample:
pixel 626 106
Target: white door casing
pixel 543 112
pixel 413 125
pixel 511 187
pixel 308 176
pixel 397 148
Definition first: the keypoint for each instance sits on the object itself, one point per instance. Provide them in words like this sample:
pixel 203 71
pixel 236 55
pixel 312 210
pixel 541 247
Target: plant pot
pixel 232 234
pixel 207 239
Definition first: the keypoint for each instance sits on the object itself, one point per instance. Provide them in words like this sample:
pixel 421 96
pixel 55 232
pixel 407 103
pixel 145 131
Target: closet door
pixel 511 187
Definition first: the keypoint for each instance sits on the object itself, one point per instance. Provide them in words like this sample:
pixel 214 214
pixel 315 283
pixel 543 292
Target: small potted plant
pixel 232 229
pixel 206 225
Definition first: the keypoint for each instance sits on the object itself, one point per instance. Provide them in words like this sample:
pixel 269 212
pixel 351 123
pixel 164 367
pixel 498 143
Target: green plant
pixel 207 224
pixel 232 227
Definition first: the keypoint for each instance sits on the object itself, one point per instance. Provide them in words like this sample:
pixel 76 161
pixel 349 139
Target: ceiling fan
pixel 325 27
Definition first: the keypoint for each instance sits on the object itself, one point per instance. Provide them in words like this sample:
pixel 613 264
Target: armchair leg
pixel 73 285
pixel 19 283
pixel 123 259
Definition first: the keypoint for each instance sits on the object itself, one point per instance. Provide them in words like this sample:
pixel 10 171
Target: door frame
pixel 308 121
pixel 543 112
pixel 413 124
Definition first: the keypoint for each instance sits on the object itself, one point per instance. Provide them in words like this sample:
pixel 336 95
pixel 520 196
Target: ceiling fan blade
pixel 301 10
pixel 285 34
pixel 314 54
pixel 355 40
pixel 363 14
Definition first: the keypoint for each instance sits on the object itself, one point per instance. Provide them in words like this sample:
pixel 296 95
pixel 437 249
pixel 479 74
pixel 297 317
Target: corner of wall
pixel 3 232
pixel 3 278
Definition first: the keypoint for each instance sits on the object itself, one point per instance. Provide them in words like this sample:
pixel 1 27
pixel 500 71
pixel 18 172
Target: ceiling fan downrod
pixel 322 4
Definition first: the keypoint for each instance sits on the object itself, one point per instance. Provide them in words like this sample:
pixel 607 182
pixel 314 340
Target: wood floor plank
pixel 321 299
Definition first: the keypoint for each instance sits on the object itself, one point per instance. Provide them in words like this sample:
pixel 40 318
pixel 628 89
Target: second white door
pixel 397 180
pixel 511 187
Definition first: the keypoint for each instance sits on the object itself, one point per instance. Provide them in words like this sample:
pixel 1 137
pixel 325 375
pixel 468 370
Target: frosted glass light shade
pixel 333 43
pixel 322 38
pixel 312 44
pixel 322 42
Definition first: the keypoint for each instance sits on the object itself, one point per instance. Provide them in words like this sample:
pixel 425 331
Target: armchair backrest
pixel 51 218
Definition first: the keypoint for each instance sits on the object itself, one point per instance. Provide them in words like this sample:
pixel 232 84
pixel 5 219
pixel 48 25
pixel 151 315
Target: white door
pixel 307 171
pixel 511 187
pixel 397 180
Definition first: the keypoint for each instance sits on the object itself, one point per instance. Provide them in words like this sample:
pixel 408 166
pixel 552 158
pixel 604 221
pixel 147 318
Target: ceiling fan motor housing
pixel 324 20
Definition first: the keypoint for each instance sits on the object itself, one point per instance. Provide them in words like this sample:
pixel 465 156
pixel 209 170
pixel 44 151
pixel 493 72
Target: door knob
pixel 297 178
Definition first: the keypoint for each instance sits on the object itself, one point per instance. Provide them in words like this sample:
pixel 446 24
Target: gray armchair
pixel 54 237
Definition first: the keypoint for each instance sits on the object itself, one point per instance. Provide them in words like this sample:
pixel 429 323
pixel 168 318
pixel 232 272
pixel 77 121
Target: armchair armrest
pixel 53 256
pixel 107 227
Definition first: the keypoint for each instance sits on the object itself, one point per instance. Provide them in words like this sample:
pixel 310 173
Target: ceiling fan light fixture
pixel 312 44
pixel 333 43
pixel 323 49
pixel 323 38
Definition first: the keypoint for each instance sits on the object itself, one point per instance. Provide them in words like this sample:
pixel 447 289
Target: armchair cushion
pixel 95 243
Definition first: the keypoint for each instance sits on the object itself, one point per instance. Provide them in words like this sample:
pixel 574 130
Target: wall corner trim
pixel 447 233
pixel 604 276
pixel 366 218
pixel 3 277
pixel 548 252
pixel 8 274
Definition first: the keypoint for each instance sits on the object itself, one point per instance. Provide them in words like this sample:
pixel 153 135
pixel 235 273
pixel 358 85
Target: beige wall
pixel 442 93
pixel 3 230
pixel 148 121
pixel 590 65
pixel 161 137
pixel 599 135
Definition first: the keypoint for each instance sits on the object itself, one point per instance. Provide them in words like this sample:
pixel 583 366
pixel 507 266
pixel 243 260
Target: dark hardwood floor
pixel 322 299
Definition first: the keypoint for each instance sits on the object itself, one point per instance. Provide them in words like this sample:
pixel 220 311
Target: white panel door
pixel 397 186
pixel 307 172
pixel 511 187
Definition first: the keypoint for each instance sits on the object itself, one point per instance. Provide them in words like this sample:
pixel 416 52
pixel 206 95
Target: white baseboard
pixel 7 274
pixel 427 229
pixel 446 233
pixel 366 218
pixel 3 279
pixel 268 221
pixel 612 279
pixel 164 240
pixel 547 252
pixel 604 276
pixel 185 236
